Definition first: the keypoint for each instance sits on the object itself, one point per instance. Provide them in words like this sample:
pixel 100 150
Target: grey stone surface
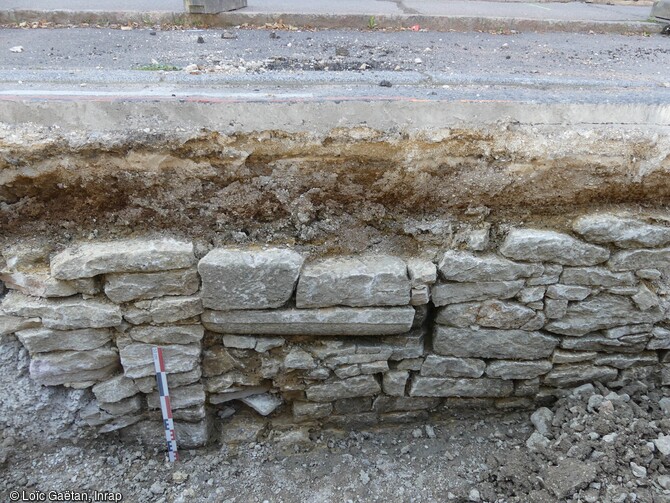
pixel 561 356
pixel 542 419
pixel 627 344
pixel 448 387
pixel 555 309
pixel 41 284
pixel 469 268
pixel 264 344
pixel 624 361
pixel 512 344
pixel 121 288
pixel 248 279
pixel 552 273
pixel 239 341
pixel 115 389
pixel 645 299
pixel 419 295
pixel 505 369
pixel 374 367
pixel 62 367
pixel 11 324
pixel 549 246
pixel 568 292
pixel 450 366
pixel 624 232
pixel 180 397
pixel 501 314
pixel 631 260
pixel 137 359
pixel 596 276
pixel 189 435
pixel 134 255
pixel 536 322
pixel 458 315
pixel 148 384
pixel 454 293
pixel 660 338
pixel 64 314
pixel 123 407
pixel 532 294
pixel 263 403
pixel 564 376
pixel 308 410
pixel 326 321
pixel 600 312
pixel 346 388
pixel 298 358
pixel 394 382
pixel 42 340
pixel 173 334
pixel 615 333
pixel 163 310
pixel 421 272
pixel 376 280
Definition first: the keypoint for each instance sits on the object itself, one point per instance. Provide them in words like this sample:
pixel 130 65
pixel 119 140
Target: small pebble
pixel 201 40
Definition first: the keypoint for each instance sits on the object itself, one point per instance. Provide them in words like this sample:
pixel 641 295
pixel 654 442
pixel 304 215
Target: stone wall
pixel 511 319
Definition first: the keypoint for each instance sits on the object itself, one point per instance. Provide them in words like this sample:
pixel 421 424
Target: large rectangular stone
pixel 564 376
pixel 128 287
pixel 627 344
pixel 365 385
pixel 450 366
pixel 12 324
pixel 63 367
pixel 115 389
pixel 163 310
pixel 43 340
pixel 467 267
pixel 640 259
pixel 137 359
pixel 549 246
pixel 455 293
pixel 596 276
pixel 482 343
pixel 248 279
pixel 64 314
pixel 505 369
pixel 623 231
pixel 129 255
pixel 354 281
pixel 42 284
pixel 326 321
pixel 448 387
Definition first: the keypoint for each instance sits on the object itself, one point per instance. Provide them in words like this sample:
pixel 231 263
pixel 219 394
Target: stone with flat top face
pixel 456 293
pixel 326 321
pixel 625 232
pixel 448 387
pixel 121 288
pixel 550 246
pixel 353 387
pixel 62 367
pixel 137 359
pixel 130 255
pixel 378 280
pixel 248 279
pixel 43 340
pixel 630 260
pixel 467 267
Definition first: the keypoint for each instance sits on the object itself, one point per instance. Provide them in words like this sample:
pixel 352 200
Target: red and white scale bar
pixel 164 393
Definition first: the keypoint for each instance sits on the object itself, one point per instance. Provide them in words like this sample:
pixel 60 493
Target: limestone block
pixel 12 324
pixel 163 310
pixel 532 294
pixel 448 387
pixel 624 361
pixel 394 382
pixel 348 371
pixel 148 384
pixel 189 435
pixel 326 321
pixel 64 314
pixel 624 232
pixel 555 309
pixel 298 358
pixel 561 356
pixel 120 423
pixel 308 410
pixel 421 272
pixel 42 340
pixel 660 338
pixel 374 367
pixel 180 397
pixel 568 292
pixel 458 315
pixel 645 299
pixel 335 361
pixel 449 366
pixel 248 279
pixel 121 288
pixel 175 334
pixel 478 239
pixel 626 344
pixel 409 345
pixel 549 246
pixel 263 403
pixel 500 314
pixel 419 295
pixel 505 369
pixel 535 323
pixel 132 255
pixel 469 268
pixel 115 389
pixel 264 344
pixel 565 376
pixel 239 341
pixel 454 293
pixel 41 284
pixel 484 343
pixel 527 387
pixel 379 280
pixel 123 407
pixel 650 274
pixel 596 276
pixel 137 359
pixel 64 367
pixel 552 273
pixel 410 364
pixel 631 260
pixel 347 388
pixel 600 312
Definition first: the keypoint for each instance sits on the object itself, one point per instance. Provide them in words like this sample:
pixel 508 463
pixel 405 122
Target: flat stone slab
pixel 131 255
pixel 42 284
pixel 456 293
pixel 596 276
pixel 353 387
pixel 263 403
pixel 549 246
pixel 326 321
pixel 622 231
pixel 64 314
pixel 564 376
pixel 451 366
pixel 163 310
pixel 482 343
pixel 121 288
pixel 43 340
pixel 137 359
pixel 467 267
pixel 62 367
pixel 115 389
pixel 248 279
pixel 172 334
pixel 601 312
pixel 449 387
pixel 356 281
pixel 629 260
pixel 505 369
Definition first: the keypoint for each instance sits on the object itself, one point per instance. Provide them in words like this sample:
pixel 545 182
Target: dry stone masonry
pixel 271 333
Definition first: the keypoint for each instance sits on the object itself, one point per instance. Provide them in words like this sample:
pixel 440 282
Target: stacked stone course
pixel 341 340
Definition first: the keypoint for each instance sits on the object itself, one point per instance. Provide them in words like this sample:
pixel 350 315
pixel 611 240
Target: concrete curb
pixel 328 21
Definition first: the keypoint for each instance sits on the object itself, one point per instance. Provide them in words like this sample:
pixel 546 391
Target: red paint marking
pixel 161 364
pixel 168 407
